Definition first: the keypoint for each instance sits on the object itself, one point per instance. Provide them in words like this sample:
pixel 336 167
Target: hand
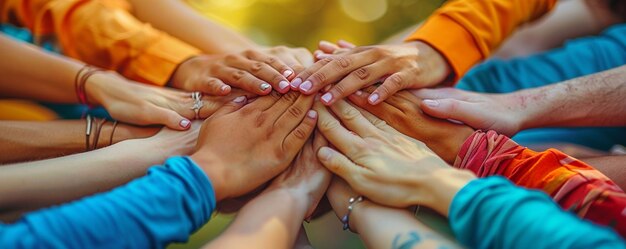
pixel 241 147
pixel 402 112
pixel 167 142
pixel 251 70
pixel 141 104
pixel 296 58
pixel 327 49
pixel 503 113
pixel 383 164
pixel 408 65
pixel 306 177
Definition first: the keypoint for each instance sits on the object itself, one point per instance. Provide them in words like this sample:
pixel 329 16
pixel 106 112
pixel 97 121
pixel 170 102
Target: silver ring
pixel 197 103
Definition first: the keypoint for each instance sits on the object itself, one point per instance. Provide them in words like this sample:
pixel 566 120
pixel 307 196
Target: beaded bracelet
pixel 346 218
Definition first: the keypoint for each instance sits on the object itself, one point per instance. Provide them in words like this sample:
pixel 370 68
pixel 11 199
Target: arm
pixel 33 185
pixel 492 212
pixel 474 28
pixel 199 31
pixel 610 166
pixel 384 227
pixel 594 100
pixel 21 141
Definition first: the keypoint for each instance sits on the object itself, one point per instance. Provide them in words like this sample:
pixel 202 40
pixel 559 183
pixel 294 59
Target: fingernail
pixel 358 93
pixel 283 84
pixel 325 153
pixel 265 86
pixel 224 88
pixel 306 86
pixel 312 114
pixel 287 73
pixel 296 83
pixel 431 103
pixel 239 99
pixel 327 98
pixel 373 98
pixel 184 123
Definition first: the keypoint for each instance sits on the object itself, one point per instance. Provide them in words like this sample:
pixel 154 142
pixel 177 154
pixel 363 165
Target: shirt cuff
pixel 452 41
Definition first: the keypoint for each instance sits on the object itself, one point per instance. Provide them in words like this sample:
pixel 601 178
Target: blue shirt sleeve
pixel 493 213
pixel 165 206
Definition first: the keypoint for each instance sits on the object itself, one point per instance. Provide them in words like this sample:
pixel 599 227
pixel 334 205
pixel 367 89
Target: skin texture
pixel 28 141
pixel 383 164
pixel 48 77
pixel 249 70
pixel 236 137
pixel 298 189
pixel 403 112
pixel 401 66
pixel 33 185
pixel 381 226
pixel 594 100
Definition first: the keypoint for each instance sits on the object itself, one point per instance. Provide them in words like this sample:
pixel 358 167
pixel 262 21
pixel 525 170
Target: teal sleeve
pixel 493 213
pixel 165 206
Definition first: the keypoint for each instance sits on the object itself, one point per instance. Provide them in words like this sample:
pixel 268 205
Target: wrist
pixel 524 113
pixel 97 86
pixel 443 186
pixel 442 73
pixel 216 174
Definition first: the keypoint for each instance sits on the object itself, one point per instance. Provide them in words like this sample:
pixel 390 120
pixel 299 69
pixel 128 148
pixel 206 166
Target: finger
pixel 353 119
pixel 391 85
pixel 327 47
pixel 441 93
pixel 271 69
pixel 212 86
pixel 335 133
pixel 334 71
pixel 279 65
pixel 297 81
pixel 452 109
pixel 319 141
pixel 298 136
pixel 166 117
pixel 376 121
pixel 213 103
pixel 345 44
pixel 304 57
pixel 290 110
pixel 376 114
pixel 263 103
pixel 359 78
pixel 339 164
pixel 231 106
pixel 244 80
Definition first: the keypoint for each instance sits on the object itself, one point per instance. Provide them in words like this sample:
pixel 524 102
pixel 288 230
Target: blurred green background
pixel 304 23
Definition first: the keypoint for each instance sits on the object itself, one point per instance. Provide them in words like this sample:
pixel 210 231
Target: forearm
pixel 594 100
pixel 24 141
pixel 39 184
pixel 384 227
pixel 165 206
pixel 611 166
pixel 199 31
pixel 272 219
pixel 30 73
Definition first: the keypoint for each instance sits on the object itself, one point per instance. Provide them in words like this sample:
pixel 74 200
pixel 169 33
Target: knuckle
pixel 300 133
pixel 362 73
pixel 350 113
pixel 259 121
pixel 231 58
pixel 256 66
pixel 295 111
pixel 343 62
pixel 396 81
pixel 291 96
pixel 328 125
pixel 319 77
pixel 325 61
pixel 238 75
pixel 339 89
pixel 270 60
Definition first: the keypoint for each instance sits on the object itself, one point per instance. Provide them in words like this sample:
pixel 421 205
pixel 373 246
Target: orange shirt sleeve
pixel 103 33
pixel 466 31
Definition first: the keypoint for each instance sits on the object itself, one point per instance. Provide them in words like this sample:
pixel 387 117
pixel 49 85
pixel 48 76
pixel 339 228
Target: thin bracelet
pixel 112 132
pixel 88 132
pixel 81 79
pixel 346 218
pixel 98 131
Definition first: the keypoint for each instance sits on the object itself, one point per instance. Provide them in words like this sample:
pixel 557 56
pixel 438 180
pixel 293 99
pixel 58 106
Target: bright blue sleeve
pixel 493 213
pixel 165 206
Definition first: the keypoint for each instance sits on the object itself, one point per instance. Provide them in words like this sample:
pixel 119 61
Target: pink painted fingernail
pixel 296 83
pixel 373 98
pixel 312 114
pixel 224 88
pixel 431 103
pixel 184 123
pixel 265 86
pixel 306 86
pixel 327 98
pixel 287 73
pixel 358 93
pixel 239 99
pixel 283 84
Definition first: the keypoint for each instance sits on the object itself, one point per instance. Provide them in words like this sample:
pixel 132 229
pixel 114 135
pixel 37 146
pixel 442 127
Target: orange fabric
pixel 102 33
pixel 466 31
pixel 573 184
pixel 24 110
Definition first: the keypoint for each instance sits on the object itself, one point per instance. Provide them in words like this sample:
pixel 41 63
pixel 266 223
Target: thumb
pixel 231 106
pixel 169 118
pixel 338 163
pixel 457 110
